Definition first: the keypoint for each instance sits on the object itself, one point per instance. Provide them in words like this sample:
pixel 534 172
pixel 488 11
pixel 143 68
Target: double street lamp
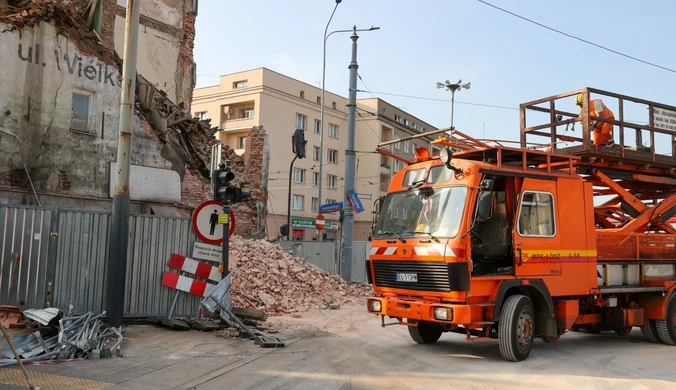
pixel 321 133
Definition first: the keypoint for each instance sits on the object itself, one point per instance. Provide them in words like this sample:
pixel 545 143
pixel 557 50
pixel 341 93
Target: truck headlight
pixel 374 305
pixel 443 314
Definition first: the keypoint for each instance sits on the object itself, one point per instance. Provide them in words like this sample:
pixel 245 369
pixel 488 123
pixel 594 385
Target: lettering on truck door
pixel 536 241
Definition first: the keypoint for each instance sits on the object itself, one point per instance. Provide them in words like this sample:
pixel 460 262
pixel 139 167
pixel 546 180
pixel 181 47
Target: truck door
pixel 536 239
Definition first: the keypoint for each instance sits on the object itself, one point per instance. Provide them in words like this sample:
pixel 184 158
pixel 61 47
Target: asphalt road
pixel 347 349
pixel 366 356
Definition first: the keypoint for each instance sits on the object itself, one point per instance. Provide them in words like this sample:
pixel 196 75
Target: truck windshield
pixel 428 211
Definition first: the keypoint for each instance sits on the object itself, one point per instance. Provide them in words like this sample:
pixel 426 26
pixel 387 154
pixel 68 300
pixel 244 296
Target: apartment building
pixel 262 97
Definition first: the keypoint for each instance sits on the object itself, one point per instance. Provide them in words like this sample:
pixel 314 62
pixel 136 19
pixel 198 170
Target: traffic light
pixel 238 195
pixel 223 189
pixel 298 143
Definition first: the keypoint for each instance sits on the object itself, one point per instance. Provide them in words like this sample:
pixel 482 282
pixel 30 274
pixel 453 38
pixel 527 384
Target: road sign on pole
pixel 354 199
pixel 330 207
pixel 205 220
pixel 320 222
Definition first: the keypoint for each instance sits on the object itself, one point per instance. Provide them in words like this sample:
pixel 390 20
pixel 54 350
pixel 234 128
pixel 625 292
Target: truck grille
pixel 432 276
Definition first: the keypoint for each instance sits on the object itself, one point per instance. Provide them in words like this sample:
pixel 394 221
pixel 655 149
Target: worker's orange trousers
pixel 603 134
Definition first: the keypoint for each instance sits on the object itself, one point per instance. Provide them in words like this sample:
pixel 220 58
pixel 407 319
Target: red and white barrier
pixel 186 284
pixel 195 267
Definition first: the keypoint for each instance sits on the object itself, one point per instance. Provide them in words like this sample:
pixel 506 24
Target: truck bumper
pixel 420 310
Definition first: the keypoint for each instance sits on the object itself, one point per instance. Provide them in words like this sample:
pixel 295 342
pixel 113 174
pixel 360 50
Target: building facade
pixel 262 97
pixel 60 98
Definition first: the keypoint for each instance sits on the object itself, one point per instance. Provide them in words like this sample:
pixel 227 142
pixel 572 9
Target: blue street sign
pixel 330 207
pixel 354 199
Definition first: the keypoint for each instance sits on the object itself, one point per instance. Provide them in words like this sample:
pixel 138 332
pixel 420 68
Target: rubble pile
pixel 264 276
pixel 59 337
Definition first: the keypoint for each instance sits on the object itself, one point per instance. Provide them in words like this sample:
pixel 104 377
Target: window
pixel 396 166
pixel 79 120
pixel 201 115
pixel 413 147
pixel 298 201
pixel 536 217
pixel 240 84
pixel 334 105
pixel 315 204
pixel 422 129
pixel 318 126
pixel 398 144
pixel 330 201
pixel 247 113
pixel 302 94
pixel 319 100
pixel 407 122
pixel 315 153
pixel 407 147
pixel 242 142
pixel 331 181
pixel 298 175
pixel 333 130
pixel 315 179
pixel 403 213
pixel 300 121
pixel 397 118
pixel 332 156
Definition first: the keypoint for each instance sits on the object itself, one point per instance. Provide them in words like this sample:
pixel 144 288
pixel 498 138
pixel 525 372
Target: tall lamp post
pixel 323 105
pixel 453 88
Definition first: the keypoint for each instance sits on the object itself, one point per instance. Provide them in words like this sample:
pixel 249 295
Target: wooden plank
pixel 250 313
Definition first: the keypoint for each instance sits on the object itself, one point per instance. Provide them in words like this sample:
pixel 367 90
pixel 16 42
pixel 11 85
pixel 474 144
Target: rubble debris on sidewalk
pixel 264 276
pixel 64 337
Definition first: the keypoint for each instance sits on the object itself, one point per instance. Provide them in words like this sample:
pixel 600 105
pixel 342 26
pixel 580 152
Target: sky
pixel 507 60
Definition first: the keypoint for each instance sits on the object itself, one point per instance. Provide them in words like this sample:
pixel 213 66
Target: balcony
pixel 238 123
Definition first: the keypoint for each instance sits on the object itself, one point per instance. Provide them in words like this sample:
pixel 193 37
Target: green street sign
pixel 296 222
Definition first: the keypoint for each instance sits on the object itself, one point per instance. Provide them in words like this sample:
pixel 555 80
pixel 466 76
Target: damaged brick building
pixel 59 109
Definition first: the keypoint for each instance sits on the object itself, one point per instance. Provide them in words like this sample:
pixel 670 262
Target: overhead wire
pixel 578 38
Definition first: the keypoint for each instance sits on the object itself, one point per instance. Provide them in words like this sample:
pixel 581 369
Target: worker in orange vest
pixel 603 131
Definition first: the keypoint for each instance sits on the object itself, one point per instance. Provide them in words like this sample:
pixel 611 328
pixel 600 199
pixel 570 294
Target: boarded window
pixel 79 120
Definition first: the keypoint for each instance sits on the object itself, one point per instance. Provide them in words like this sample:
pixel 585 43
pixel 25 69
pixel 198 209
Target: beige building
pixel 261 97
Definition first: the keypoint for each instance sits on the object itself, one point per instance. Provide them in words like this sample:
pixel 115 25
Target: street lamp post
pixel 323 105
pixel 453 88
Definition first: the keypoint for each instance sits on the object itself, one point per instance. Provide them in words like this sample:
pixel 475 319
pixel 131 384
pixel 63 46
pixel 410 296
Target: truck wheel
pixel 649 331
pixel 425 332
pixel 516 329
pixel 666 328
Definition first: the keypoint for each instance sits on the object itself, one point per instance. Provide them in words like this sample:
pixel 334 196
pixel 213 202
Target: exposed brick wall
pixel 108 23
pixel 186 64
pixel 250 174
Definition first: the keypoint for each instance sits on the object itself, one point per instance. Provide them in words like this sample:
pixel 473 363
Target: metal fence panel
pixel 319 253
pixel 24 231
pixel 360 253
pixel 152 241
pixel 323 254
pixel 81 260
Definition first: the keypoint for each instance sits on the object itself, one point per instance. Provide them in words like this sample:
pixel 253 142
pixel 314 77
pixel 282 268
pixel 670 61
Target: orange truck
pixel 532 240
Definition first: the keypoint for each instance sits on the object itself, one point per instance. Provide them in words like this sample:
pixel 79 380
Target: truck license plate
pixel 402 277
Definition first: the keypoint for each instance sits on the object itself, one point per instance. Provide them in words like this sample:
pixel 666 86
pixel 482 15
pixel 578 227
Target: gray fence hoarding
pixel 63 254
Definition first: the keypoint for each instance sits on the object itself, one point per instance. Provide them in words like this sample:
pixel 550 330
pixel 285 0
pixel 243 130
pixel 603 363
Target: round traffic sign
pixel 207 220
pixel 320 222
